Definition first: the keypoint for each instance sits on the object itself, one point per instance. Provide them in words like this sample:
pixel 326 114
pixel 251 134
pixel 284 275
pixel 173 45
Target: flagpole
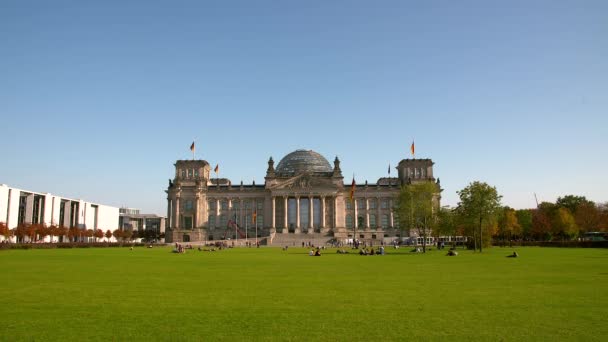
pixel 256 229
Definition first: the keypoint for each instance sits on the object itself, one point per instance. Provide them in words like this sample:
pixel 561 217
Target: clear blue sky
pixel 98 100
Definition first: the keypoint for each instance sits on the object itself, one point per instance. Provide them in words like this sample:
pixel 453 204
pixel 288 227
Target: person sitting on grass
pixel 452 253
pixel 514 255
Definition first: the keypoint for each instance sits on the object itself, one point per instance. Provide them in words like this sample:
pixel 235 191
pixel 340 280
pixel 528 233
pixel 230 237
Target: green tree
pixel 524 218
pixel 479 204
pixel 417 208
pixel 572 202
pixel 564 224
pixel 508 225
pixel 447 223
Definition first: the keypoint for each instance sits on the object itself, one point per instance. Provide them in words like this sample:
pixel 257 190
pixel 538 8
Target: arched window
pixel 211 221
pixel 372 221
pixel 223 222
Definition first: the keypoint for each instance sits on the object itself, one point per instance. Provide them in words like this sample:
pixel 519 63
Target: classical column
pixel 367 212
pixel 297 214
pixel 176 216
pixel 378 214
pixel 390 213
pixel 286 216
pixel 322 211
pixel 355 219
pixel 311 216
pixel 335 211
pixel 241 224
pixel 196 215
pixel 169 213
pixel 229 209
pixel 273 213
pixel 217 213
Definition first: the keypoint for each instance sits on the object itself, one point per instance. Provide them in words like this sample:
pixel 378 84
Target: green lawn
pixel 270 294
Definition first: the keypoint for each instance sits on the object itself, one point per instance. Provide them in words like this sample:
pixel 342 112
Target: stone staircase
pixel 291 240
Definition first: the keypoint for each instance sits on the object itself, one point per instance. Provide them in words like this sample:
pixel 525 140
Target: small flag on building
pixel 389 170
pixel 192 147
pixel 217 168
pixel 413 149
pixel 255 216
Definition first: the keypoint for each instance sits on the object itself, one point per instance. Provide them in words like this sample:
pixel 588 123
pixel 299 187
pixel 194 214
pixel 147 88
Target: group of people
pixel 364 251
pixel 179 248
pixel 315 252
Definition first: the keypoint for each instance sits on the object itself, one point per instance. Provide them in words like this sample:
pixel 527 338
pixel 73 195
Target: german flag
pixel 217 168
pixel 192 147
pixel 413 149
pixel 352 189
pixel 255 216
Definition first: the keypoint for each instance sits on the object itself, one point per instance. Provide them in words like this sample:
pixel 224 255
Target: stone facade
pixel 201 208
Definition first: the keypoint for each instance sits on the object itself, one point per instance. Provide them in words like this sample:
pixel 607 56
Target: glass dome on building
pixel 303 161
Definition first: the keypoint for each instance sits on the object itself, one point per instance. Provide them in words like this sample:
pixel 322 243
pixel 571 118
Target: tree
pixel 89 234
pixel 73 233
pixel 98 234
pixel 127 235
pixel 117 234
pixel 417 207
pixel 32 230
pixel 564 224
pixel 42 231
pixel 20 232
pixel 572 202
pixel 446 224
pixel 63 231
pixel 541 225
pixel 587 217
pixel 524 218
pixel 508 225
pixel 108 235
pixel 53 231
pixel 4 231
pixel 479 203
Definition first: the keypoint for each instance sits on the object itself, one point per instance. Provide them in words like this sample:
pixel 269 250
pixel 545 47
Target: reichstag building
pixel 303 199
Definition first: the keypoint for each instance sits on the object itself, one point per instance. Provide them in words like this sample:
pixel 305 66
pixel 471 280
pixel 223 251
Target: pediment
pixel 302 182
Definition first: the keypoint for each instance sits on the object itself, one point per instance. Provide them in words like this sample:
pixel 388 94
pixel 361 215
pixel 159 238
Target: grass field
pixel 270 294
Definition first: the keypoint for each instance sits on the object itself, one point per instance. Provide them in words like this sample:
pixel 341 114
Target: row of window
pixel 190 173
pixel 189 205
pixel 236 205
pixel 385 223
pixel 416 172
pixel 247 220
pixel 384 204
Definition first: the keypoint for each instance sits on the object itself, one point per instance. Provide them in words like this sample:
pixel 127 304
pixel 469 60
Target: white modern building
pixel 19 206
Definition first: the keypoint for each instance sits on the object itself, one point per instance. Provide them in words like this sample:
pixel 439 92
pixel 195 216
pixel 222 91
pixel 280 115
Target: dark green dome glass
pixel 303 161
